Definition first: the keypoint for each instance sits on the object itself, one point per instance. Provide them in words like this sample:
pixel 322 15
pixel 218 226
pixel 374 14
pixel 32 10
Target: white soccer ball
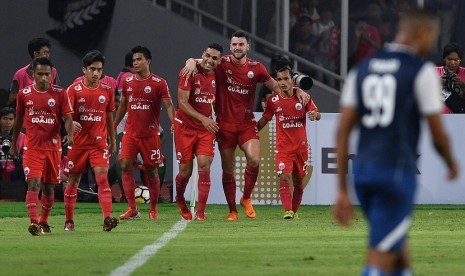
pixel 141 194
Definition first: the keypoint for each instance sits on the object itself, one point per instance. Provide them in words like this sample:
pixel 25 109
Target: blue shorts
pixel 387 205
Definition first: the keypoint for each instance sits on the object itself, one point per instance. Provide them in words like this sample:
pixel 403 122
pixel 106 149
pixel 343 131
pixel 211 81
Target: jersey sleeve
pixel 311 106
pixel 164 90
pixel 111 97
pixel 264 76
pixel 268 113
pixel 349 94
pixel 427 89
pixel 20 103
pixel 185 82
pixel 66 107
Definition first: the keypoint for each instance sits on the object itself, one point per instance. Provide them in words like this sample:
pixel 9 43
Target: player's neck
pixel 38 88
pixel 288 94
pixel 142 75
pixel 240 61
pixel 90 84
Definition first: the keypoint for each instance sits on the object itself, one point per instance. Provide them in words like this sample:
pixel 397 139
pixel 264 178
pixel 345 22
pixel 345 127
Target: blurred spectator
pixel 37 47
pixel 452 79
pixel 303 43
pixel 308 8
pixel 367 33
pixel 10 169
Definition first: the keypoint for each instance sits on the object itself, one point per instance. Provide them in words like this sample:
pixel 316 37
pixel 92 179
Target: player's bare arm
pixel 261 123
pixel 111 133
pixel 441 143
pixel 208 123
pixel 122 108
pixel 343 210
pixel 69 127
pixel 191 67
pixel 170 109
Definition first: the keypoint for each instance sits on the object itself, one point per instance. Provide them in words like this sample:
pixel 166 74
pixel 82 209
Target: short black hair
pixel 216 46
pixel 91 57
pixel 36 44
pixel 241 33
pixel 128 60
pixel 41 61
pixel 452 48
pixel 7 110
pixel 142 50
pixel 279 61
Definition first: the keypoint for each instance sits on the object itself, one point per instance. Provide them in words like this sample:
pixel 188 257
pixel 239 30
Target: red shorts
pixel 78 159
pixel 43 164
pixel 231 134
pixel 148 147
pixel 189 142
pixel 294 163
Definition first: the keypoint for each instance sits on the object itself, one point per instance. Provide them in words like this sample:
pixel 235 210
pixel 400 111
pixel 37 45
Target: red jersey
pixel 90 107
pixel 236 88
pixel 24 79
pixel 121 77
pixel 110 81
pixel 290 121
pixel 202 90
pixel 43 111
pixel 144 99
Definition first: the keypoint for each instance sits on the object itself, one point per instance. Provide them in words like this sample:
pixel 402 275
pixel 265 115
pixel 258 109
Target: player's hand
pixel 343 210
pixel 303 96
pixel 13 151
pixel 68 140
pixel 313 115
pixel 210 125
pixel 453 171
pixel 77 126
pixel 190 68
pixel 112 147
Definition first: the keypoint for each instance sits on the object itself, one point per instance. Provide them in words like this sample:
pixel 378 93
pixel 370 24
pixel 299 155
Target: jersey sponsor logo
pixel 197 91
pixel 213 83
pixel 147 89
pixel 105 86
pixel 250 74
pixel 281 166
pixel 29 102
pixel 129 89
pixel 178 155
pixel 298 106
pixel 156 79
pixel 227 59
pixel 70 164
pixel 42 120
pixel 275 99
pixel 228 71
pixel 56 89
pixel 54 141
pixel 203 100
pixel 101 99
pixel 130 78
pixel 130 99
pixel 78 87
pixel 279 109
pixel 197 82
pixel 140 106
pixel 293 124
pixel 81 100
pixel 253 63
pixel 51 102
pixel 27 170
pixel 90 118
pixel 27 90
pixel 238 90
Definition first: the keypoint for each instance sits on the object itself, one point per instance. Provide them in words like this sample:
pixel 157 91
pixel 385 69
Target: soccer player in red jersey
pixel 37 47
pixel 141 96
pixel 194 129
pixel 93 103
pixel 41 107
pixel 292 145
pixel 237 77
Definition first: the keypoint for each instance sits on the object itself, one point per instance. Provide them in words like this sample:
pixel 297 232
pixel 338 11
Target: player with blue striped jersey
pixel 386 96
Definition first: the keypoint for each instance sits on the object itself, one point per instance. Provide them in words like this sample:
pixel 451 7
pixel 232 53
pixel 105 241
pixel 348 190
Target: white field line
pixel 142 256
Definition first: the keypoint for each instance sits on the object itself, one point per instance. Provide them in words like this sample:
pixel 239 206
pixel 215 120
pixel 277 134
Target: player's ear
pixel 83 70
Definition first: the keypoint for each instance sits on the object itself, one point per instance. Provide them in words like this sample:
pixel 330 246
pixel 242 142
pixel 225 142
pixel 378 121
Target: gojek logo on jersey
pixel 238 90
pixel 293 124
pixel 140 106
pixel 42 120
pixel 203 100
pixel 90 118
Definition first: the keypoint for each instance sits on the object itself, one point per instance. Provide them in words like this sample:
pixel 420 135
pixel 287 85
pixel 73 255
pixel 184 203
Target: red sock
pixel 204 189
pixel 32 203
pixel 285 194
pixel 47 204
pixel 154 191
pixel 297 197
pixel 250 178
pixel 181 184
pixel 70 198
pixel 229 188
pixel 129 185
pixel 104 194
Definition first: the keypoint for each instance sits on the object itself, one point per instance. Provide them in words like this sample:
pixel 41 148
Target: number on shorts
pixel 155 155
pixel 105 154
pixel 378 95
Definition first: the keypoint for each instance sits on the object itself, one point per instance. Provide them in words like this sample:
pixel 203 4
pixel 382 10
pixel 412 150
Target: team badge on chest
pixel 101 99
pixel 147 89
pixel 51 102
pixel 298 106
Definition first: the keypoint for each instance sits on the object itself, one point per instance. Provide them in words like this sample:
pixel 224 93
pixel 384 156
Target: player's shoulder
pixel 156 78
pixel 56 89
pixel 252 62
pixel 104 85
pixel 129 78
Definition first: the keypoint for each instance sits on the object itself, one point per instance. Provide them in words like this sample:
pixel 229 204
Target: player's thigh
pixel 205 144
pixel 284 163
pixel 184 142
pixel 150 151
pixel 99 158
pixel 51 173
pixel 129 147
pixel 77 160
pixel 33 163
pixel 226 136
pixel 300 164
